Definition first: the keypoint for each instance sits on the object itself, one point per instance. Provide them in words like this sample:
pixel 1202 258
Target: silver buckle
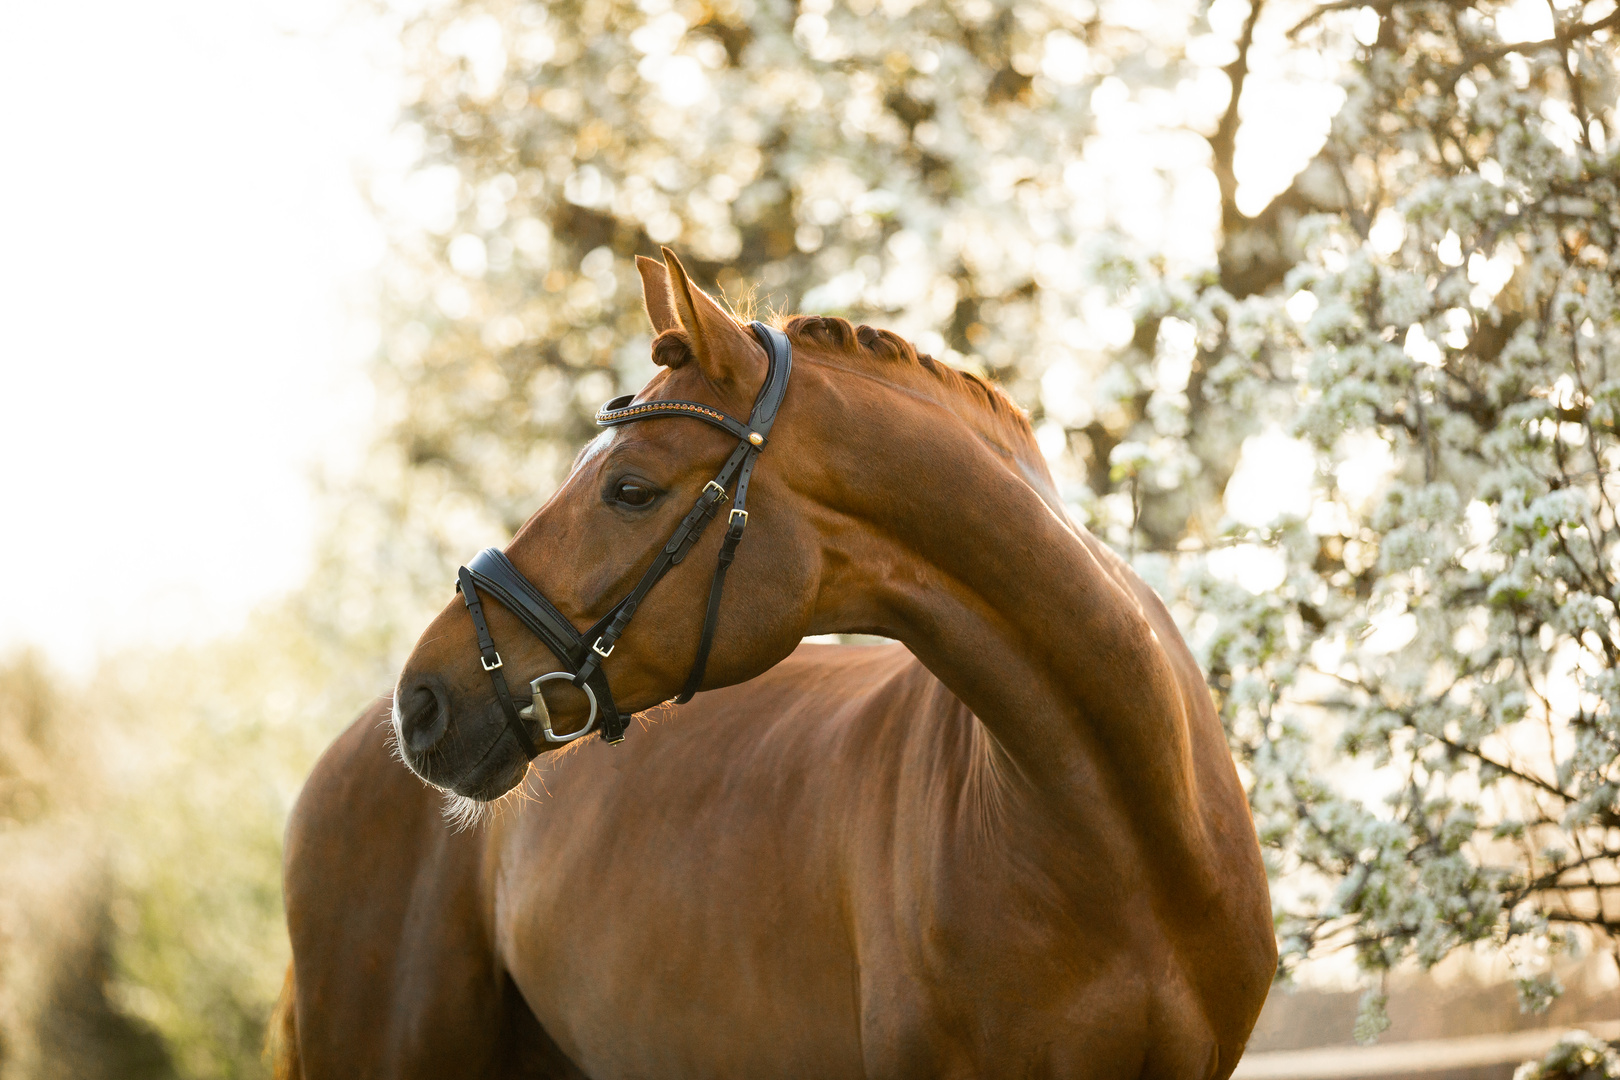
pixel 597 649
pixel 489 666
pixel 732 520
pixel 544 715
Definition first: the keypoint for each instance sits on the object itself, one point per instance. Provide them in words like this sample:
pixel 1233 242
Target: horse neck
pixel 1060 651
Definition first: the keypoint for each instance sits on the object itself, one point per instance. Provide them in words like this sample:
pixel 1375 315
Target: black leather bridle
pixel 582 654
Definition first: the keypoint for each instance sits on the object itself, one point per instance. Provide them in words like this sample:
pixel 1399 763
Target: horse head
pixel 591 543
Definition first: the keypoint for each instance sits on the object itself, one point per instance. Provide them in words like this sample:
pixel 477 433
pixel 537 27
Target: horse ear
pixel 655 294
pixel 726 353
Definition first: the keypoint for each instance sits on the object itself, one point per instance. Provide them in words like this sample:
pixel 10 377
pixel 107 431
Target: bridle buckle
pixel 499 663
pixel 598 650
pixel 735 514
pixel 719 492
pixel 544 714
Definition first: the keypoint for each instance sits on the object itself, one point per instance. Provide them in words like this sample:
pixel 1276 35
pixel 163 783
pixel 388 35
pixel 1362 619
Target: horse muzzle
pixel 462 747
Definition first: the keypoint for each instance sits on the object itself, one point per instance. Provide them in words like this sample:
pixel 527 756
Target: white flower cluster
pixel 1424 695
pixel 1577 1056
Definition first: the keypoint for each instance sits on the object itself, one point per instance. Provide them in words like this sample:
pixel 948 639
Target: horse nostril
pixel 423 718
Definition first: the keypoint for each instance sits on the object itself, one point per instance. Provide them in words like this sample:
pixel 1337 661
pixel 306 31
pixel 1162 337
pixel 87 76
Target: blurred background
pixel 1312 307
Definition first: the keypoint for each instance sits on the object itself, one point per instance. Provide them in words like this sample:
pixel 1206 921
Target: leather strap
pixel 685 536
pixel 493 664
pixel 613 414
pixel 711 617
pixel 779 354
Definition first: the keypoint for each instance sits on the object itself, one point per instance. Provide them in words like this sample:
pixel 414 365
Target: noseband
pixel 582 654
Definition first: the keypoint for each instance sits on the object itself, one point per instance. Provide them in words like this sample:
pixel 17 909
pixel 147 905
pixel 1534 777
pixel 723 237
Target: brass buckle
pixel 489 666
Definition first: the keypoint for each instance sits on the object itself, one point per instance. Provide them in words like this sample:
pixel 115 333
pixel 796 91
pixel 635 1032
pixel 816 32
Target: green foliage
pixel 151 846
pixel 215 742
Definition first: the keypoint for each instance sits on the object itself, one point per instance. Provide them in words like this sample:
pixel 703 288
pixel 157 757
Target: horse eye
pixel 630 493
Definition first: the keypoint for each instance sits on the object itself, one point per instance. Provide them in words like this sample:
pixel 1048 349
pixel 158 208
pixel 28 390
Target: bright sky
pixel 183 270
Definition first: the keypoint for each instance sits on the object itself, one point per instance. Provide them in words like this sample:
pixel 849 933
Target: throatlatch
pixel 582 654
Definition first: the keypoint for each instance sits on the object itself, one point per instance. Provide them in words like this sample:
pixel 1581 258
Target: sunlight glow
pixel 181 338
pixel 1289 101
pixel 214 283
pixel 1366 468
pixel 1525 20
pixel 1274 478
pixel 1257 569
pixel 1387 232
pixel 1391 629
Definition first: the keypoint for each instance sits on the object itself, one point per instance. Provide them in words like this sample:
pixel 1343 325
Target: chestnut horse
pixel 1013 845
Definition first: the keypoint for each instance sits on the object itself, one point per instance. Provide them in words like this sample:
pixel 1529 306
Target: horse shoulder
pixel 1218 912
pixel 392 963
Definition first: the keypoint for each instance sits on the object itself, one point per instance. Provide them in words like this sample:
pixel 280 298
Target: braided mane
pixel 885 346
pixel 673 347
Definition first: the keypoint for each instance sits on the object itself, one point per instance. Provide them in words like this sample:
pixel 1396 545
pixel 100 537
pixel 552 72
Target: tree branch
pixel 1223 144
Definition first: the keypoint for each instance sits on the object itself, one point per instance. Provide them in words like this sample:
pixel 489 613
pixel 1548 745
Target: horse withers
pixel 1013 844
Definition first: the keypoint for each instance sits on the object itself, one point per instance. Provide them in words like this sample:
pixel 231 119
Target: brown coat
pixel 1013 845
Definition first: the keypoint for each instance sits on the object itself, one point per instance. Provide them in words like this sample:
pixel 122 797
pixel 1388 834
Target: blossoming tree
pixel 1418 668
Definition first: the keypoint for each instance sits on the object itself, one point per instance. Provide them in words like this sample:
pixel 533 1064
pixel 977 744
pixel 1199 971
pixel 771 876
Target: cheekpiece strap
pixel 779 355
pixel 493 663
